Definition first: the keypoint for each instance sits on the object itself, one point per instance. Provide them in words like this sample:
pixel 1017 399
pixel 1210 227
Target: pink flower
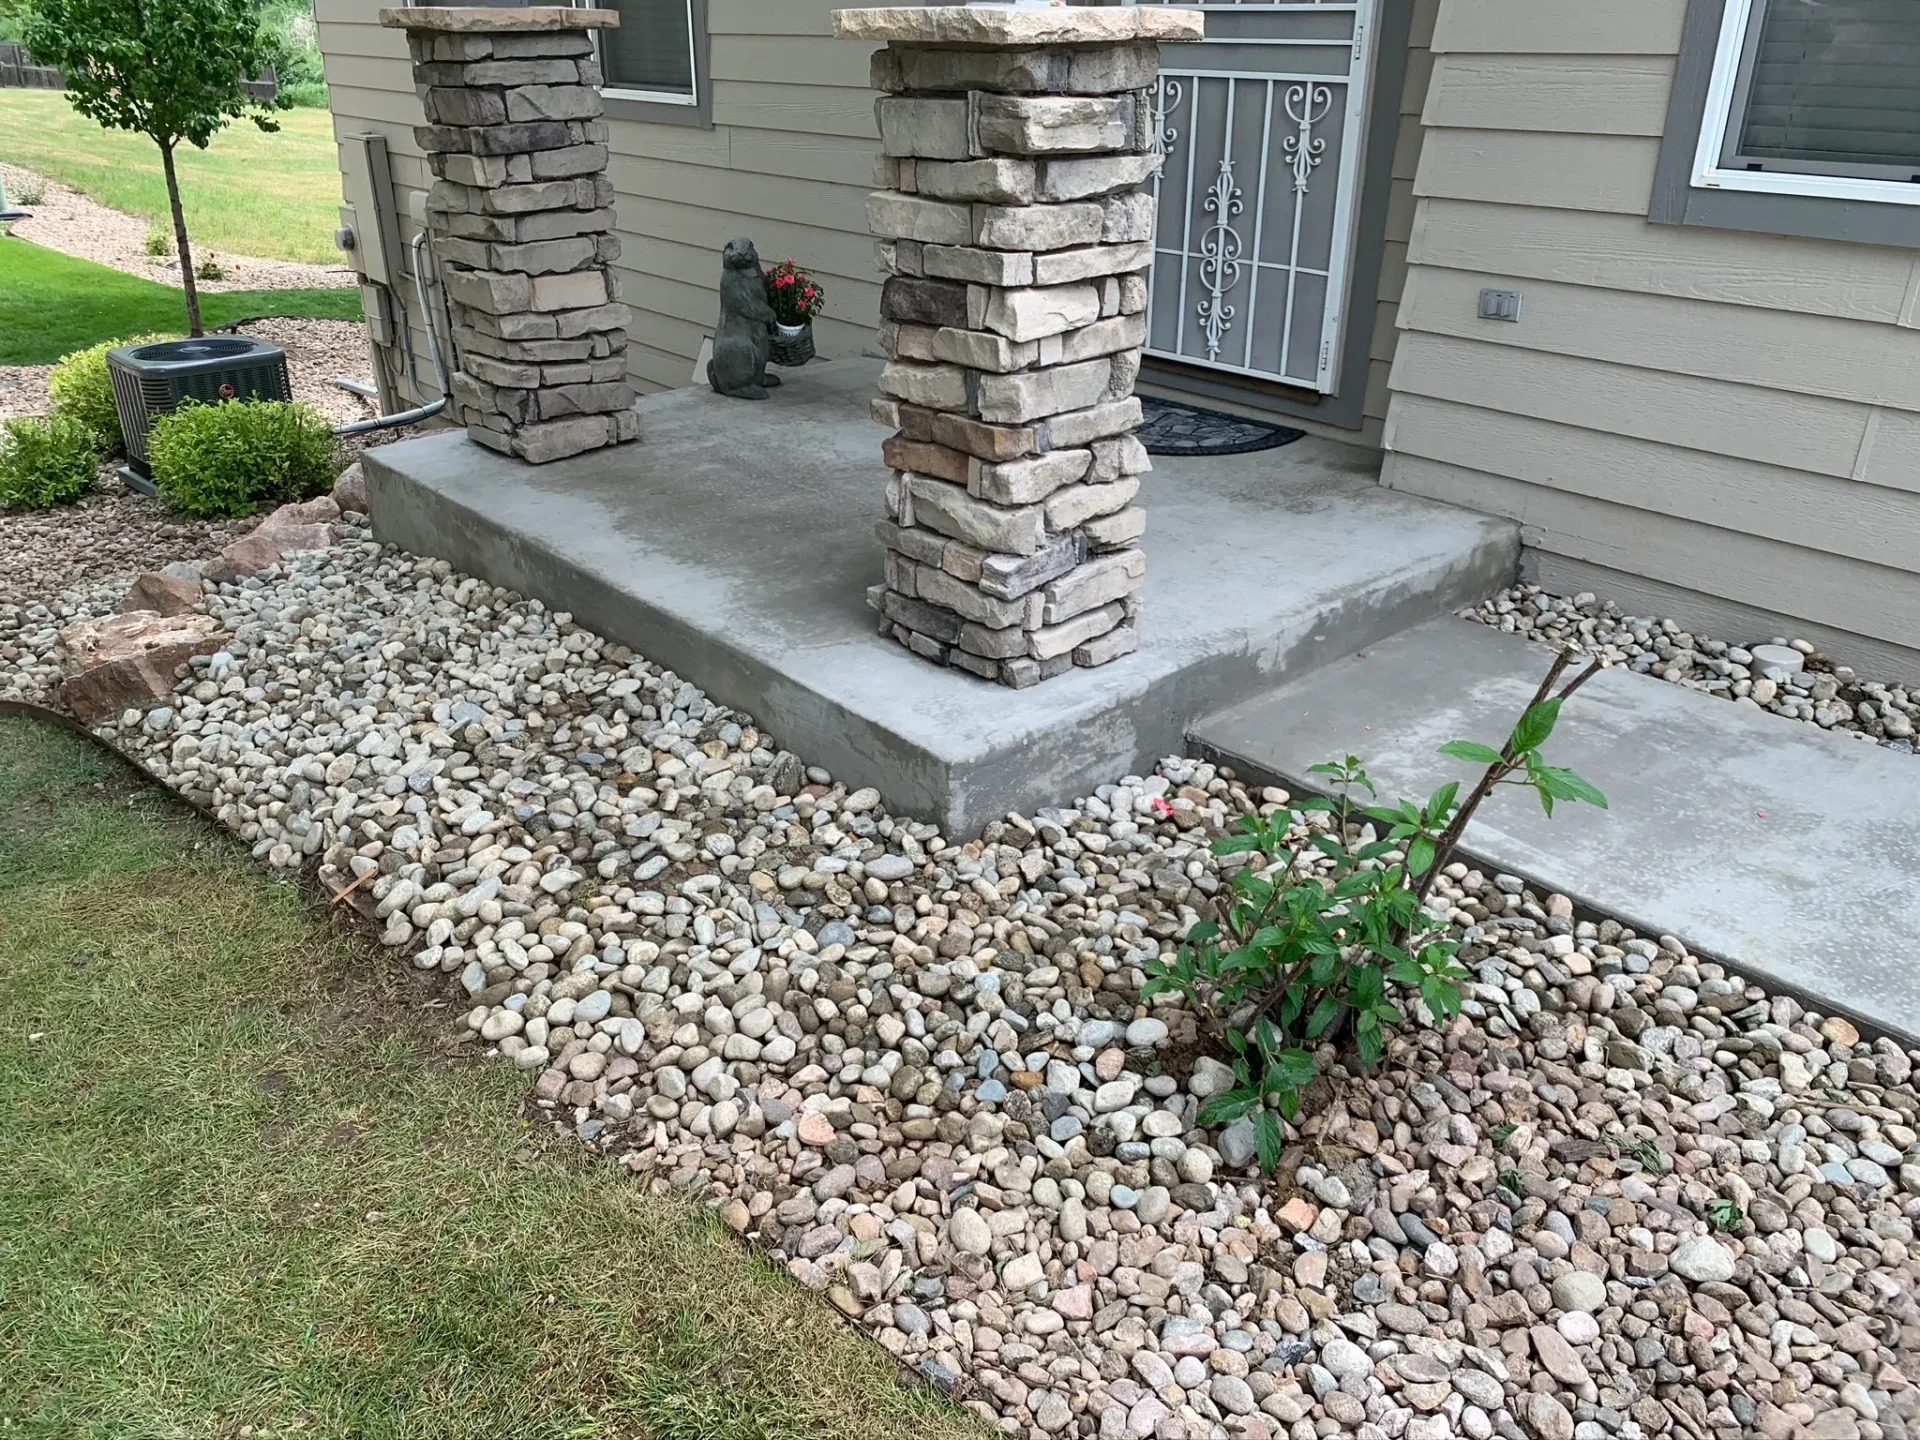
pixel 1161 807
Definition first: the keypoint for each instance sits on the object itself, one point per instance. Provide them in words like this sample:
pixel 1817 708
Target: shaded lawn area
pixel 245 1182
pixel 276 196
pixel 52 303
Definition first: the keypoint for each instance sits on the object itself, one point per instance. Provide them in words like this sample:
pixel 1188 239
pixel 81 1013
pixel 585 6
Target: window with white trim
pixel 650 55
pixel 1815 98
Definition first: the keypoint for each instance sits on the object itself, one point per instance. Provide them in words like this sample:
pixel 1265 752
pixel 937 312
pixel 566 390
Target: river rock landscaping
pixel 1787 676
pixel 1624 1193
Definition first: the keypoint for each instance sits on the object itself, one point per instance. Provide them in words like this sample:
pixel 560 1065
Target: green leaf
pixel 1420 855
pixel 1236 844
pixel 1227 1106
pixel 1472 752
pixel 1441 803
pixel 1565 785
pixel 1368 1041
pixel 1266 1139
pixel 1327 767
pixel 1324 1014
pixel 1316 804
pixel 1327 845
pixel 1202 931
pixel 1535 726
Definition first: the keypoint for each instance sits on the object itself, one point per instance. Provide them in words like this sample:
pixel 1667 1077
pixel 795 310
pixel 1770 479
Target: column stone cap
pixel 488 19
pixel 995 25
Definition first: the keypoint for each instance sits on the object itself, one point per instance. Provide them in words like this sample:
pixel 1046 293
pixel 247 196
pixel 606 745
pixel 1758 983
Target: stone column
pixel 521 218
pixel 1015 230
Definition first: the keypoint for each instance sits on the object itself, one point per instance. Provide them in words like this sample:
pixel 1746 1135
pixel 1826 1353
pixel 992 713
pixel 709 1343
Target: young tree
pixel 171 70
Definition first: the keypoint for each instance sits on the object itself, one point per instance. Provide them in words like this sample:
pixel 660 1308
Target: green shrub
pixel 45 462
pixel 1324 937
pixel 159 240
pixel 81 390
pixel 308 94
pixel 230 458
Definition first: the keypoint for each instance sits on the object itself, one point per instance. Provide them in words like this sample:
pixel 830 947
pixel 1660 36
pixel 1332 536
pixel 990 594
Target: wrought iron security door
pixel 1262 126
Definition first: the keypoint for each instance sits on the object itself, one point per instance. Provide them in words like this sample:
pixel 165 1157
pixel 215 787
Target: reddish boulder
pixel 126 662
pixel 163 593
pixel 248 555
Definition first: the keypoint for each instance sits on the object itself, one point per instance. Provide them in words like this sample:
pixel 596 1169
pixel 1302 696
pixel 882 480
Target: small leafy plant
pixel 1725 1216
pixel 30 191
pixel 81 391
pixel 1328 938
pixel 1650 1156
pixel 230 458
pixel 45 461
pixel 158 242
pixel 209 270
pixel 795 296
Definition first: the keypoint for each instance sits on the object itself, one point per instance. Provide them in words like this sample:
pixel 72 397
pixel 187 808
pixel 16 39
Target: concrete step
pixel 1789 852
pixel 735 544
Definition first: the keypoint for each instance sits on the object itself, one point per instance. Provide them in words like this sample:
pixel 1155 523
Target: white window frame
pixel 652 97
pixel 1723 89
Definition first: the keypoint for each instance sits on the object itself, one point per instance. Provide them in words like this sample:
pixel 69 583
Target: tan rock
pixel 127 662
pixel 248 555
pixel 162 593
pixel 350 490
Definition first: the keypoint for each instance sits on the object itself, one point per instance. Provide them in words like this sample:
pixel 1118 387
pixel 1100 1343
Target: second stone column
pixel 1016 228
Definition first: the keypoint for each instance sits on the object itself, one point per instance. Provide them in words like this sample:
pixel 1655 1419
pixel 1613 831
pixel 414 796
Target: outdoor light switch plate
pixel 1499 304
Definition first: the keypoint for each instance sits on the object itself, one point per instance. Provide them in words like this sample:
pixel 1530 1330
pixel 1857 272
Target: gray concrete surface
pixel 735 544
pixel 1790 852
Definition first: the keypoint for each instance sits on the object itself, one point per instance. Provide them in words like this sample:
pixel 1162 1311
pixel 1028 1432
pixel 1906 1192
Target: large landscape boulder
pixel 126 662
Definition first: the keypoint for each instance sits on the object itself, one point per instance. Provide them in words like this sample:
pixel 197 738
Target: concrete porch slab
pixel 1789 852
pixel 734 544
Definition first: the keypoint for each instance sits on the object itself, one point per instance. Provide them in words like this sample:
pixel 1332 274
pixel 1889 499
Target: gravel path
pixel 70 222
pixel 317 352
pixel 1810 688
pixel 1625 1194
pixel 23 390
pixel 93 548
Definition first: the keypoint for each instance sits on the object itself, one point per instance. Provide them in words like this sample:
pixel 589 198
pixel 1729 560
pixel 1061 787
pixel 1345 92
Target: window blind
pixel 1832 83
pixel 651 48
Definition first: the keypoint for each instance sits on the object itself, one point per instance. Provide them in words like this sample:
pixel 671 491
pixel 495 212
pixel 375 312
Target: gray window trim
pixel 698 115
pixel 1677 201
pixel 1346 409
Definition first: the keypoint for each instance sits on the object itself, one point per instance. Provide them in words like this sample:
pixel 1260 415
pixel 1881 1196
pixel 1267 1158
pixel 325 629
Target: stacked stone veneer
pixel 520 216
pixel 1015 232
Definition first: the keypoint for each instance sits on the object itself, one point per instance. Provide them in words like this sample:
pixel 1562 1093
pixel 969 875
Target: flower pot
pixel 792 344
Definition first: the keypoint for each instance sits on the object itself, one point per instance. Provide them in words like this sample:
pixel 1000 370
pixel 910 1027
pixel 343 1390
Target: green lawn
pixel 250 193
pixel 248 1187
pixel 52 303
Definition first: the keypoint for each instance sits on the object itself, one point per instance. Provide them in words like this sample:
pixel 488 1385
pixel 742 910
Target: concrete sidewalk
pixel 1789 852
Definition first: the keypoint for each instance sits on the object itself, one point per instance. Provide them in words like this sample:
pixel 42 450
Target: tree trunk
pixel 181 247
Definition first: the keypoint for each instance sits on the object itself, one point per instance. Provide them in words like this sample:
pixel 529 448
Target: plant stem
pixel 180 239
pixel 1449 838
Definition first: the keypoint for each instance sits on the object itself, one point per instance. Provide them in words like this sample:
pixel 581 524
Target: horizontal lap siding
pixel 788 161
pixel 1732 414
pixel 370 88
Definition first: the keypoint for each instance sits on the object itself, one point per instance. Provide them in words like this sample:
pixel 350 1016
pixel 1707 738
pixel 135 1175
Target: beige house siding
pixel 789 161
pixel 1720 422
pixel 370 85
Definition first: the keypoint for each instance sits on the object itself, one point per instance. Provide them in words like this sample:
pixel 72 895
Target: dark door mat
pixel 1171 428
